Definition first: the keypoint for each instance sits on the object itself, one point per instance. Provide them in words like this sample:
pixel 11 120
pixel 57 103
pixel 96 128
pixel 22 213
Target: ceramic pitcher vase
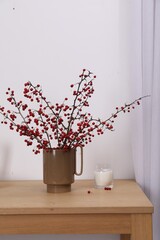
pixel 59 169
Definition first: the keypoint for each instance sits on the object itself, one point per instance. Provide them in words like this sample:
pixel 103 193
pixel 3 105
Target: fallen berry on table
pixel 107 188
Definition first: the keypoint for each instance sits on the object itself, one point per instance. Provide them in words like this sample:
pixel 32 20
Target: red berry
pixel 107 188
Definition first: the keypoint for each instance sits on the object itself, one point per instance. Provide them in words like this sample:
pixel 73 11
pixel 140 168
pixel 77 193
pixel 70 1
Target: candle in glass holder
pixel 103 178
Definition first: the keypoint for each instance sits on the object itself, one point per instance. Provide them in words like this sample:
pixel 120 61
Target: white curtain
pixel 146 134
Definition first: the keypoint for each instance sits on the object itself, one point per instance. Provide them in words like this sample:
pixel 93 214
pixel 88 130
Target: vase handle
pixel 81 170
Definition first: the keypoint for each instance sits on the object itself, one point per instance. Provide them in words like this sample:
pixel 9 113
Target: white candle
pixel 103 178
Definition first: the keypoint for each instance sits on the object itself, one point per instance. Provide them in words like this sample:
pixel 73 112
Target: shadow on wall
pixel 5 159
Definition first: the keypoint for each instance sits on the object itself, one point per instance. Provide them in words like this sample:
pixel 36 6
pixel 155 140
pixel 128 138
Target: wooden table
pixel 26 208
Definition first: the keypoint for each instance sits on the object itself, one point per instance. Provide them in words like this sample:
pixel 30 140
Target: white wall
pixel 50 42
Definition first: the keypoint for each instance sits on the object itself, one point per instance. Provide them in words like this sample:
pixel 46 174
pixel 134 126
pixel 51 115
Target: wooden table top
pixel 30 197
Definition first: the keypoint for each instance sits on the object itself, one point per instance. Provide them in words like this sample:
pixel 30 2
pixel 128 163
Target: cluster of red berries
pixel 62 125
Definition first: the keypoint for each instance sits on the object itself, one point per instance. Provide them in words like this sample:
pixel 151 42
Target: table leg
pixel 125 237
pixel 141 227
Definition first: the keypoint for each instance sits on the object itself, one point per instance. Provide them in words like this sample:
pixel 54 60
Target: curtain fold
pixel 155 124
pixel 146 140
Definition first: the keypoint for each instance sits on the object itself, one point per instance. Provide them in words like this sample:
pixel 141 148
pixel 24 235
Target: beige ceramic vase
pixel 59 168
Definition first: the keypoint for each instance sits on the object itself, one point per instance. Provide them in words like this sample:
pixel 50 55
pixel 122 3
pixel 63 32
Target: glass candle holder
pixel 103 177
